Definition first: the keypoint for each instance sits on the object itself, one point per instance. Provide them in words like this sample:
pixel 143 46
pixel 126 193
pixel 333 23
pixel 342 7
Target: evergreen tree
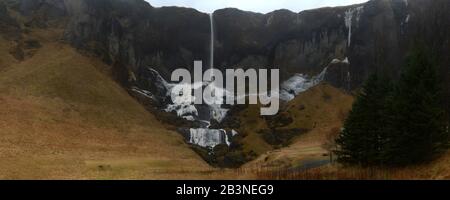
pixel 418 127
pixel 363 137
pixel 400 126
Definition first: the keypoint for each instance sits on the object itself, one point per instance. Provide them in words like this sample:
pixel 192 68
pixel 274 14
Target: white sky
pixel 262 6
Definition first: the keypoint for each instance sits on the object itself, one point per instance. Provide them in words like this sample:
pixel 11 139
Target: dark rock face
pixel 131 35
pixel 52 8
pixel 136 35
pixel 9 28
pixel 374 36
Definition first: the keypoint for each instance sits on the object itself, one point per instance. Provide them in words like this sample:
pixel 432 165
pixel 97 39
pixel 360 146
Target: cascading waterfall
pixel 204 136
pixel 211 52
pixel 217 112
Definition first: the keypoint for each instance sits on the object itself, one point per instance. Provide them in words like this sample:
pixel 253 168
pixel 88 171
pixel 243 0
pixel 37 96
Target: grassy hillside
pixel 320 110
pixel 62 117
pixel 298 132
pixel 306 157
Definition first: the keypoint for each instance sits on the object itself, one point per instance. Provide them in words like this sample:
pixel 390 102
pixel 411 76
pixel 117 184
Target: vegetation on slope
pixel 62 116
pixel 320 110
pixel 401 126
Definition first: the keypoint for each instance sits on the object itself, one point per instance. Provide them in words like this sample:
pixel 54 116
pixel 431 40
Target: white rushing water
pixel 211 50
pixel 216 111
pixel 406 2
pixel 207 137
pixel 349 14
pixel 210 138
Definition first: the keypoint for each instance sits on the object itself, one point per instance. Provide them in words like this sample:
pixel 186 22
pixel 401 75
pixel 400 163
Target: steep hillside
pixel 62 116
pixel 299 132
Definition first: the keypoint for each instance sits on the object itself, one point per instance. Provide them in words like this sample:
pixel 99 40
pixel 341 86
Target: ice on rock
pixel 144 93
pixel 160 82
pixel 209 138
pixel 216 111
pixel 299 83
pixel 183 104
pixel 349 14
pixel 233 133
pixel 336 61
pixel 348 24
pixel 346 61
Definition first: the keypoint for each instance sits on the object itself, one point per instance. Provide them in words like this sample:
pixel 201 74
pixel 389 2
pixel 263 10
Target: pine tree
pixel 418 127
pixel 400 126
pixel 362 139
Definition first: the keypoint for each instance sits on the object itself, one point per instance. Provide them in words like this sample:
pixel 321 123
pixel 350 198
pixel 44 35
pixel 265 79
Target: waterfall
pixel 214 108
pixel 211 52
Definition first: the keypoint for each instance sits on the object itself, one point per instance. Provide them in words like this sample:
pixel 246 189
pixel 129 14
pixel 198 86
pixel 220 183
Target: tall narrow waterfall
pixel 211 55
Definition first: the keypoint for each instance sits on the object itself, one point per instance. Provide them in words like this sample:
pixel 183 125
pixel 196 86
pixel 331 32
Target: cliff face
pixel 132 35
pixel 373 36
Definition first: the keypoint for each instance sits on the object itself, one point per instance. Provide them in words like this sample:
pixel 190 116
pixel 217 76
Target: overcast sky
pixel 262 6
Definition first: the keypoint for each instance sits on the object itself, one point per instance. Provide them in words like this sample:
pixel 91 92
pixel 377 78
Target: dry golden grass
pixel 321 109
pixel 325 117
pixel 252 122
pixel 6 59
pixel 436 170
pixel 61 117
